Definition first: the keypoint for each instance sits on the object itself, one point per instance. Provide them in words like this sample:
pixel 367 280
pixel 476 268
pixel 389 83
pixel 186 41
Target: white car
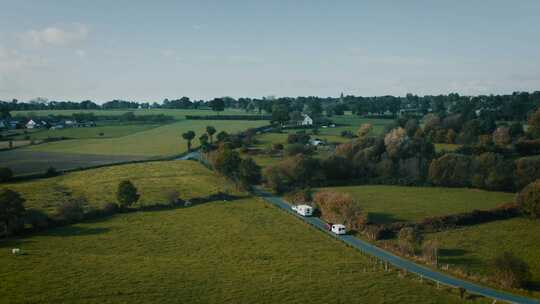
pixel 303 210
pixel 339 229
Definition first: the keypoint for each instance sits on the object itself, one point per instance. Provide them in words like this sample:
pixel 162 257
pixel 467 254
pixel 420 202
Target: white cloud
pixel 13 60
pixel 55 36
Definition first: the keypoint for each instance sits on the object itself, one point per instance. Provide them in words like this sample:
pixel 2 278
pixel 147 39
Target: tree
pixel 211 131
pixel 534 124
pixel 5 174
pixel 73 210
pixel 430 250
pixel 217 105
pixel 222 136
pixel 249 173
pixel 189 135
pixel 528 199
pixel 409 240
pixel 393 141
pixel 451 170
pixel 501 136
pixel 280 112
pixel 203 139
pixel 11 208
pixel 364 130
pixel 126 195
pixel 226 161
pixel 510 271
pixel 338 207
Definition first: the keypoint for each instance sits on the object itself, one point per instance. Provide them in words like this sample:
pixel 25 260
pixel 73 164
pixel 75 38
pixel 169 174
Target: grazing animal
pixel 16 251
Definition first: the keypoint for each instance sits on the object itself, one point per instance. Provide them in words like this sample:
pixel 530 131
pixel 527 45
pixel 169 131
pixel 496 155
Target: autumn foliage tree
pixel 528 199
pixel 337 207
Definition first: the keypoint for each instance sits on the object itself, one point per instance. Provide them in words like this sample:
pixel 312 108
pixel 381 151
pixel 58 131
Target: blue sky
pixel 141 50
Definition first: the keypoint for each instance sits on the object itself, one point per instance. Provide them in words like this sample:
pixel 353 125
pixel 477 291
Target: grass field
pixel 395 203
pixel 109 131
pixel 162 141
pixel 471 248
pixel 243 251
pixel 154 181
pixel 176 113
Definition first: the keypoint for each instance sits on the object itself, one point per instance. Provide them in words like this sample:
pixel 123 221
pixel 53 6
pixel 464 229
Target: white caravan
pixel 339 229
pixel 303 210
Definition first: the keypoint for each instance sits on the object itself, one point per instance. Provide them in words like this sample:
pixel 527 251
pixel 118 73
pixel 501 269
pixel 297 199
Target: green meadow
pixel 240 251
pixel 397 203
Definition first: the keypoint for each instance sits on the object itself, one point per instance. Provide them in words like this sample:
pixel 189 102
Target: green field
pixel 109 131
pixel 162 141
pixel 243 251
pixel 471 248
pixel 154 181
pixel 176 113
pixel 395 203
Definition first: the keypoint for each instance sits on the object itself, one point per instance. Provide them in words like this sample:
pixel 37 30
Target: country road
pixel 387 256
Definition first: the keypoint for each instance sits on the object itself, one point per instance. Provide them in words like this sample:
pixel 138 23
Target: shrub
pixel 72 211
pixel 277 146
pixel 510 271
pixel 249 173
pixel 408 240
pixel 300 196
pixel 110 208
pixel 172 197
pixel 37 219
pixel 337 207
pixel 126 194
pixel 51 171
pixel 5 174
pixel 298 138
pixel 295 149
pixel 528 199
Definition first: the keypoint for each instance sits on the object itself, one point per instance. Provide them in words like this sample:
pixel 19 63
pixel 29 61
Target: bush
pixel 126 194
pixel 409 240
pixel 11 210
pixel 51 171
pixel 295 149
pixel 249 173
pixel 72 211
pixel 110 208
pixel 277 146
pixel 5 174
pixel 339 207
pixel 173 197
pixel 528 199
pixel 510 271
pixel 37 219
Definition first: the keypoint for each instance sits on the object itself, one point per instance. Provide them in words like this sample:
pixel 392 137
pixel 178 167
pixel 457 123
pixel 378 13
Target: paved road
pixel 400 262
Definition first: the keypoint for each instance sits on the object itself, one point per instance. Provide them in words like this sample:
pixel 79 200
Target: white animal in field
pixel 16 251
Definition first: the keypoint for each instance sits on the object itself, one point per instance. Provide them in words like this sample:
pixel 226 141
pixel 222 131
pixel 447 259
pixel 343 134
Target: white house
pixel 303 210
pixel 339 229
pixel 308 121
pixel 31 124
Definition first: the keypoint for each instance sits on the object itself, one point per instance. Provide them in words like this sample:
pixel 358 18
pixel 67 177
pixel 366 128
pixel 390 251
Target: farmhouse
pixel 308 121
pixel 31 124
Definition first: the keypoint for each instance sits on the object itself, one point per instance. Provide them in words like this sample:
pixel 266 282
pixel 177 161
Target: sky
pixel 151 50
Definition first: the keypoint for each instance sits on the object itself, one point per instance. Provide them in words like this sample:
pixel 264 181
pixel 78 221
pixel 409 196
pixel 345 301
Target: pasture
pixel 161 141
pixel 472 248
pixel 241 251
pixel 155 180
pixel 397 203
pixel 100 131
pixel 176 113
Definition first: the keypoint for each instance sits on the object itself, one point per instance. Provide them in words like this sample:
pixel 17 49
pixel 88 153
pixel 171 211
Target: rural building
pixel 308 121
pixel 31 124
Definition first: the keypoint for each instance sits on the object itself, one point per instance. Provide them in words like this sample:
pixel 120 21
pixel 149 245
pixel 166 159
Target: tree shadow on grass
pixel 383 218
pixel 75 231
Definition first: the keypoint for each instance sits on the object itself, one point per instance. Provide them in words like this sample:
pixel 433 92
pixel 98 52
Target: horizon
pixel 145 51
